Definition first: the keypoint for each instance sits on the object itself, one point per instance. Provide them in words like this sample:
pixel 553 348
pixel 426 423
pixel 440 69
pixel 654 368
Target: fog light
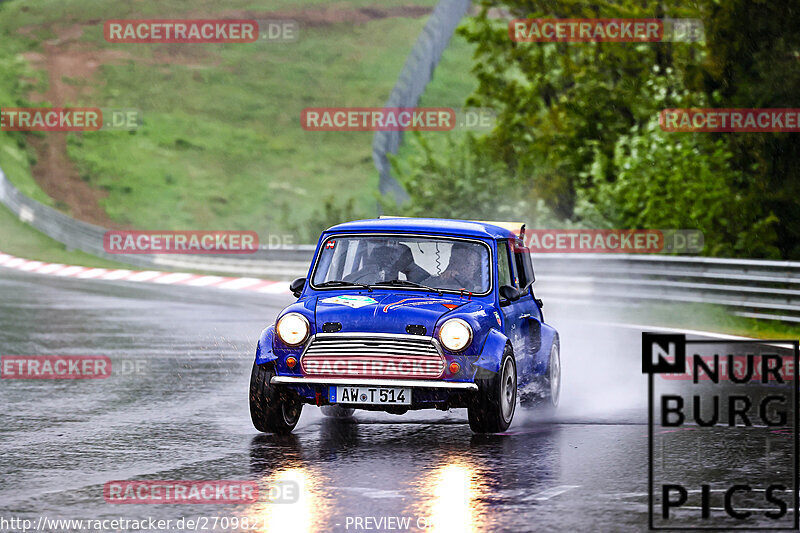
pixel 454 367
pixel 291 362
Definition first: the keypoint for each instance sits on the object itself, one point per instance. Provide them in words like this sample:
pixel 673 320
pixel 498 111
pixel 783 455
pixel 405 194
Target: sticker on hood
pixel 411 302
pixel 350 300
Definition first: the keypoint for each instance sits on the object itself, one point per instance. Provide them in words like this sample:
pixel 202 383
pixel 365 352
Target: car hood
pixel 383 312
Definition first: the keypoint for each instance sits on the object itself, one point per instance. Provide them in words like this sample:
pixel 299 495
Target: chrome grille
pixel 372 355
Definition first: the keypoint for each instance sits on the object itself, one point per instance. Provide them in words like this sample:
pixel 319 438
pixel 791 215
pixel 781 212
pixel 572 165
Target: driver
pixel 378 266
pixel 462 272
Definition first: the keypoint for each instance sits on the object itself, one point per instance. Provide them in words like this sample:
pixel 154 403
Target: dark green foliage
pixel 577 126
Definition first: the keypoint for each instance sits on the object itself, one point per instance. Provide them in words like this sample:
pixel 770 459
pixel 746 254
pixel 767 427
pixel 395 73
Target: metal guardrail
pixel 750 288
pixel 74 234
pixel 414 77
pixel 79 235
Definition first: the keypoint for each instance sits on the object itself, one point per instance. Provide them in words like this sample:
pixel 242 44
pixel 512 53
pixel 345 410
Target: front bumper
pixel 376 382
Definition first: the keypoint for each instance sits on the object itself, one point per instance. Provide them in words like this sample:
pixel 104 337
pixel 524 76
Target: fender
pixel 541 357
pixel 264 353
pixel 492 351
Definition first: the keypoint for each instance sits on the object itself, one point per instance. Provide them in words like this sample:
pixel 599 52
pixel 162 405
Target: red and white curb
pixel 147 276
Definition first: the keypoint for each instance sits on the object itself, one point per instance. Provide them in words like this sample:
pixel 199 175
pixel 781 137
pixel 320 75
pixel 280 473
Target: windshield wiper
pixel 408 283
pixel 340 283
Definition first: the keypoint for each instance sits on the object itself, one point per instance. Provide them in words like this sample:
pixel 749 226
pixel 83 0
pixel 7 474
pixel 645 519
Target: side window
pixel 503 264
pixel 522 258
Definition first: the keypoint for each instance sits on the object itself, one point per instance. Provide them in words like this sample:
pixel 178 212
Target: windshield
pixel 437 263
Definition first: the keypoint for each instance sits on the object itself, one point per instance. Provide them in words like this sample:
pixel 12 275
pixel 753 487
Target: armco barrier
pixel 74 234
pixel 79 235
pixel 751 288
pixel 413 79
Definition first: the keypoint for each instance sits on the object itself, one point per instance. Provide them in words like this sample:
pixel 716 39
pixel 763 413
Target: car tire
pixel 337 411
pixel 493 407
pixel 272 409
pixel 546 391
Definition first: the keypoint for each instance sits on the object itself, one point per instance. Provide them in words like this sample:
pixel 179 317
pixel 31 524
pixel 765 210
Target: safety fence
pixel 78 235
pixel 750 288
pixel 415 76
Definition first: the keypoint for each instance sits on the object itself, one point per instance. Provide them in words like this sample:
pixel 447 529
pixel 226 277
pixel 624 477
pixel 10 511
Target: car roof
pixel 463 228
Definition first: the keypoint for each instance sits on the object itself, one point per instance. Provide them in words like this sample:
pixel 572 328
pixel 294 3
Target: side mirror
pixel 297 286
pixel 509 293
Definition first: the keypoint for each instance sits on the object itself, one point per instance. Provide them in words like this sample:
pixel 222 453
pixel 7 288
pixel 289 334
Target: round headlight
pixel 455 334
pixel 293 329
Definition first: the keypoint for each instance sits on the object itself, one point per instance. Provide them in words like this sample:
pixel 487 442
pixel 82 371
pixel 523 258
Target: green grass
pixel 221 146
pixel 16 80
pixel 68 11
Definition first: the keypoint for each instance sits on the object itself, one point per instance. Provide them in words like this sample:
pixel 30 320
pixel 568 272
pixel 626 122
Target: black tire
pixel 493 406
pixel 546 389
pixel 337 411
pixel 272 409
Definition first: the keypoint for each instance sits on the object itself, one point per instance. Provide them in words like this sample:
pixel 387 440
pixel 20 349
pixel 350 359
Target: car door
pixel 529 311
pixel 525 310
pixel 514 319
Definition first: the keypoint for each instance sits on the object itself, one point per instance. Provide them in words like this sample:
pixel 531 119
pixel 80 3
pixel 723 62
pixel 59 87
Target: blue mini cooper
pixel 410 313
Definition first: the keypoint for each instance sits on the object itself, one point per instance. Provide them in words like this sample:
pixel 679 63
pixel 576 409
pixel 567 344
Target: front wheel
pixel 272 410
pixel 493 407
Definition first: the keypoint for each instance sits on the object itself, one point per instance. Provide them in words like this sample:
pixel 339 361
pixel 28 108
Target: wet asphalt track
pixel 184 415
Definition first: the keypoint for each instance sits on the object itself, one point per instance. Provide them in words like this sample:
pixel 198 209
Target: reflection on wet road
pixel 441 478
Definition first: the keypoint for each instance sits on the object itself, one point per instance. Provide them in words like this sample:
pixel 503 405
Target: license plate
pixel 371 395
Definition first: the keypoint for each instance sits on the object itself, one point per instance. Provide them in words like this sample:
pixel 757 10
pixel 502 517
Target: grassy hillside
pixel 221 146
